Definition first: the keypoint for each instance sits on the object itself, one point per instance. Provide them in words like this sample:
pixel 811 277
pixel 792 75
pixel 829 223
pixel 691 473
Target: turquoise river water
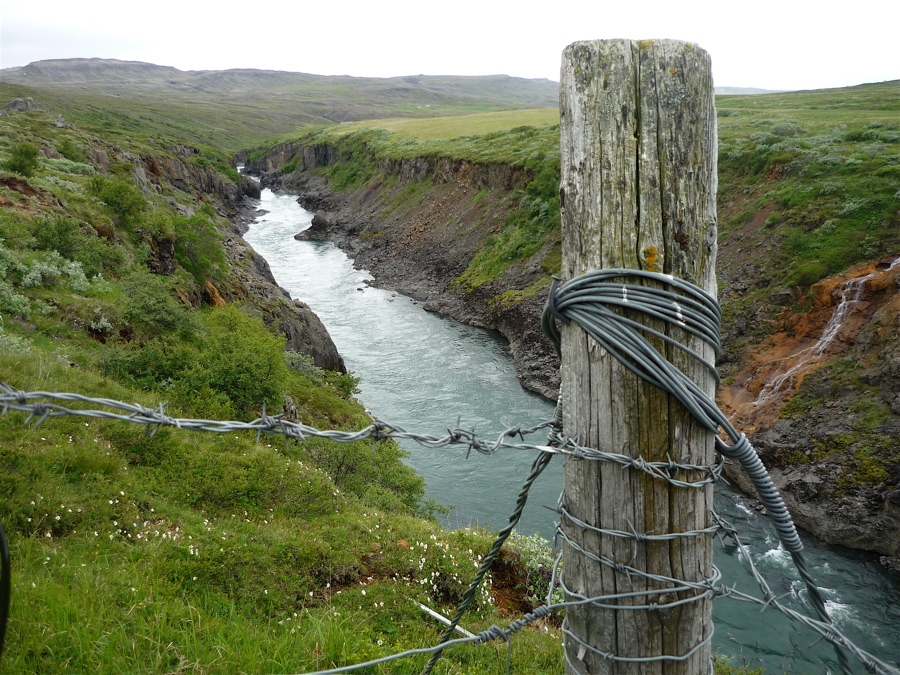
pixel 427 373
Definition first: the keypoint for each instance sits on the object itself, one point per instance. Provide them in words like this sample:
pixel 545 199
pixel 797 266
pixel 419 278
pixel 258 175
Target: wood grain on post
pixel 638 189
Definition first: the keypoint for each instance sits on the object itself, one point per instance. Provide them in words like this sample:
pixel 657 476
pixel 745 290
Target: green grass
pixel 445 128
pixel 825 164
pixel 515 146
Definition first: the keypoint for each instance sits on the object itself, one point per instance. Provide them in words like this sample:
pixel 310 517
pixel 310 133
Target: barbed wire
pixel 156 418
pixel 590 300
pixel 35 405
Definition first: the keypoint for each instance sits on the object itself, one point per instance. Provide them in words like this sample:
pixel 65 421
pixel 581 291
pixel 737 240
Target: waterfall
pixel 851 294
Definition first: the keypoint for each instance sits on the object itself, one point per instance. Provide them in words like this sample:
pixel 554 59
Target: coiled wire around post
pixel 589 299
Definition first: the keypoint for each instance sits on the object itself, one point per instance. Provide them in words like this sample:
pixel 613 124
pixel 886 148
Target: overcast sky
pixel 770 44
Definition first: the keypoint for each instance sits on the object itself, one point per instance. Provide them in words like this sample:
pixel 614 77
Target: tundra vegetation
pixel 188 552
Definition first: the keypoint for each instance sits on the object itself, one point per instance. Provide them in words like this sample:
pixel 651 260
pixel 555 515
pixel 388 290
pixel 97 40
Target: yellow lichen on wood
pixel 651 257
pixel 645 44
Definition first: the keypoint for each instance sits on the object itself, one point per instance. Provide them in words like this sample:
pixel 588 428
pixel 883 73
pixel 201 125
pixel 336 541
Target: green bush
pixel 155 366
pixel 71 151
pixel 24 159
pixel 787 129
pixel 241 359
pixel 58 234
pixel 198 247
pixel 70 167
pixel 123 198
pixel 150 308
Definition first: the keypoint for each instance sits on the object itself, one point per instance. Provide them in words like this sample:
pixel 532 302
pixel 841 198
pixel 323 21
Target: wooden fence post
pixel 638 190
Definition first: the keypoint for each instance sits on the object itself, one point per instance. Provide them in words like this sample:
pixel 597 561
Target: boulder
pixel 251 187
pixel 21 104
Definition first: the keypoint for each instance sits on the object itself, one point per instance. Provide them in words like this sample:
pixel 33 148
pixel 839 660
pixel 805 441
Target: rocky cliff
pixel 418 230
pixel 187 186
pixel 814 382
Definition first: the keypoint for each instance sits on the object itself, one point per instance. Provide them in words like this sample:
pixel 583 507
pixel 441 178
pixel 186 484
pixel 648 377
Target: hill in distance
pixel 278 102
pixel 333 98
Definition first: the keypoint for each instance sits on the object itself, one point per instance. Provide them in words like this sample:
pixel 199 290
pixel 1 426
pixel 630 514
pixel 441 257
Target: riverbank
pixel 421 250
pixel 420 246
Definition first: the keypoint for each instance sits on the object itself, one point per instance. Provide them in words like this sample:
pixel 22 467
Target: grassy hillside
pixel 821 169
pixel 214 107
pixel 189 552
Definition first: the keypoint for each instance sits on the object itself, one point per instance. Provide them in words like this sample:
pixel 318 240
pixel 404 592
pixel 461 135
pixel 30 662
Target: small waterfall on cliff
pixel 851 294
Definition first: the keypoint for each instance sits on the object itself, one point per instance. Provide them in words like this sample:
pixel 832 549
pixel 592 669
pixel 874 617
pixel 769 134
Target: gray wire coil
pixel 587 300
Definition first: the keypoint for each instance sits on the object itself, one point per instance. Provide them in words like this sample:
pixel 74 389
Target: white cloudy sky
pixel 771 44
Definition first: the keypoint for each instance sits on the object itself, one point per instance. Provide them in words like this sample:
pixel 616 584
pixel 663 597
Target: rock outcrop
pixel 421 247
pixel 21 104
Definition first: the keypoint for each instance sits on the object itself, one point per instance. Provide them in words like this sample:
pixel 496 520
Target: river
pixel 427 373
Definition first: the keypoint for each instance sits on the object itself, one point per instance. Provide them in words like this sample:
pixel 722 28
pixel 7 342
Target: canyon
pixel 818 394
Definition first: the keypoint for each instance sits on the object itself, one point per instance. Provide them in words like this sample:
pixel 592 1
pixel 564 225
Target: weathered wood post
pixel 638 190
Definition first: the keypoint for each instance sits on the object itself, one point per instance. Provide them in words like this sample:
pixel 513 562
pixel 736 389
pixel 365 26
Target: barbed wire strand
pixel 586 300
pixel 39 410
pixel 537 467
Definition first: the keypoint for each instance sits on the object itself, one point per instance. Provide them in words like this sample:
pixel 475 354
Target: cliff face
pixel 417 232
pixel 817 393
pixel 820 399
pixel 249 278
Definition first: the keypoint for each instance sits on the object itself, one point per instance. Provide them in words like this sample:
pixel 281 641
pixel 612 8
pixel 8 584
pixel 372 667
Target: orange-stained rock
pixel 805 341
pixel 215 298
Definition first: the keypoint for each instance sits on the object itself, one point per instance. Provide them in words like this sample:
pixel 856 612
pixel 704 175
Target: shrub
pixel 12 302
pixel 24 159
pixel 787 129
pixel 70 167
pixel 151 309
pixel 65 236
pixel 198 248
pixel 49 269
pixel 71 151
pixel 59 234
pixel 155 366
pixel 122 197
pixel 241 359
